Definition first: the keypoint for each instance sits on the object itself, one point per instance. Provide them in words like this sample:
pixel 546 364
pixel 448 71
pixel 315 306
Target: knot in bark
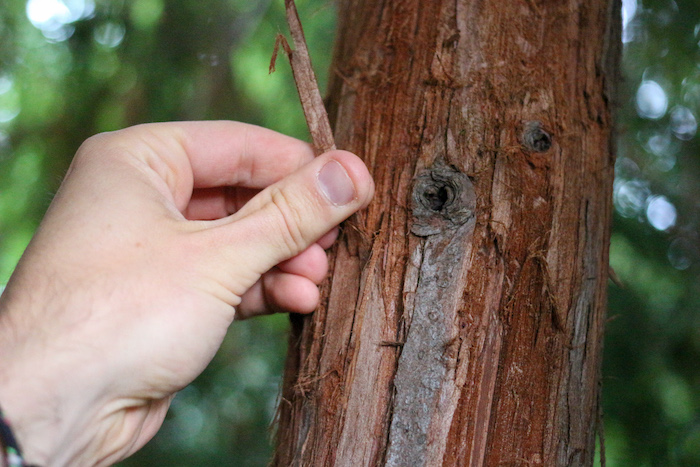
pixel 443 199
pixel 535 138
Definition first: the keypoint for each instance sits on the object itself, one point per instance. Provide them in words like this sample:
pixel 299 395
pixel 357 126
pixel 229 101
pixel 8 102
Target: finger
pixel 286 218
pixel 225 153
pixel 191 155
pixel 215 203
pixel 310 266
pixel 329 238
pixel 311 263
pixel 207 204
pixel 279 292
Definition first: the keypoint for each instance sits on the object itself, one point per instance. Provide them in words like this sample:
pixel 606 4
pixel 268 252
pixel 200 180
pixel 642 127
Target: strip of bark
pixel 305 79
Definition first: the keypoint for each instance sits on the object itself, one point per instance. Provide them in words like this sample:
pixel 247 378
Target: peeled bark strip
pixel 463 321
pixel 305 80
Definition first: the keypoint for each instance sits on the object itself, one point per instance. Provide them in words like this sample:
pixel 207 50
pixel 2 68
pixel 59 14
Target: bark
pixel 463 321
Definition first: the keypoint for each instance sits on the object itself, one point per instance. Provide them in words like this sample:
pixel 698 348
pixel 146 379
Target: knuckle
pixel 290 223
pixel 89 146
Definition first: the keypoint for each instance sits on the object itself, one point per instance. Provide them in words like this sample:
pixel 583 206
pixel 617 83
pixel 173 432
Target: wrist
pixel 40 397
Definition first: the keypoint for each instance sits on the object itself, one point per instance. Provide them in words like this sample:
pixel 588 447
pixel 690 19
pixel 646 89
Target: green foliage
pixel 102 65
pixel 651 386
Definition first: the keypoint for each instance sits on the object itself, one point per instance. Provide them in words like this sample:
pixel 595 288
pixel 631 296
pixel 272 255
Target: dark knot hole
pixel 436 197
pixel 541 142
pixel 536 138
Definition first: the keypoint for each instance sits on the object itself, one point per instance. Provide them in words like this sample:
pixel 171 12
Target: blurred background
pixel 73 68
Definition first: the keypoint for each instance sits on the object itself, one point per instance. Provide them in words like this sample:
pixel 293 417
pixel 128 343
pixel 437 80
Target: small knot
pixel 535 138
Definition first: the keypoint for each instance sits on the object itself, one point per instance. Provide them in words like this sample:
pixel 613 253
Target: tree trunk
pixel 464 318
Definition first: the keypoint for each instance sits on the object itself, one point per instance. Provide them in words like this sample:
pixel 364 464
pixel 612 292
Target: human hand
pixel 159 236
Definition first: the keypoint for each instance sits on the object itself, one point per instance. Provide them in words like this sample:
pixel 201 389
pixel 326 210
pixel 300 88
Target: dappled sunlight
pixel 55 17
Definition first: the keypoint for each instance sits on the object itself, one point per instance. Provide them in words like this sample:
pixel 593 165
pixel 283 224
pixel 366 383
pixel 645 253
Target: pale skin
pixel 159 237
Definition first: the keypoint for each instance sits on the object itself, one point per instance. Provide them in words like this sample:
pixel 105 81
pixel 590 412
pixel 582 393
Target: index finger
pixel 225 153
pixel 210 154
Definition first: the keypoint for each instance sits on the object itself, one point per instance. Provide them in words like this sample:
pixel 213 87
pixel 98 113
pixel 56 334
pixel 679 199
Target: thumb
pixel 287 217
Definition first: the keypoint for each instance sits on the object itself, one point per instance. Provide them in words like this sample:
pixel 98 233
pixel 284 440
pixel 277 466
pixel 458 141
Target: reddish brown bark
pixel 464 318
pixel 305 80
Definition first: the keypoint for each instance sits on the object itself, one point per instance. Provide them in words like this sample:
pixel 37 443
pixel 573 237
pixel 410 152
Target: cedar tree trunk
pixel 463 321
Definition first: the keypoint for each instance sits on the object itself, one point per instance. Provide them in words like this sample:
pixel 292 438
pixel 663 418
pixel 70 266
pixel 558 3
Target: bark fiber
pixel 463 321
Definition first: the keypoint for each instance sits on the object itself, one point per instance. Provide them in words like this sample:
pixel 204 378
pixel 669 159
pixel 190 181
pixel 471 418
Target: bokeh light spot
pixel 661 213
pixel 109 34
pixel 629 9
pixel 651 100
pixel 664 147
pixel 54 17
pixel 10 105
pixel 146 13
pixel 683 123
pixel 630 196
pixel 682 253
